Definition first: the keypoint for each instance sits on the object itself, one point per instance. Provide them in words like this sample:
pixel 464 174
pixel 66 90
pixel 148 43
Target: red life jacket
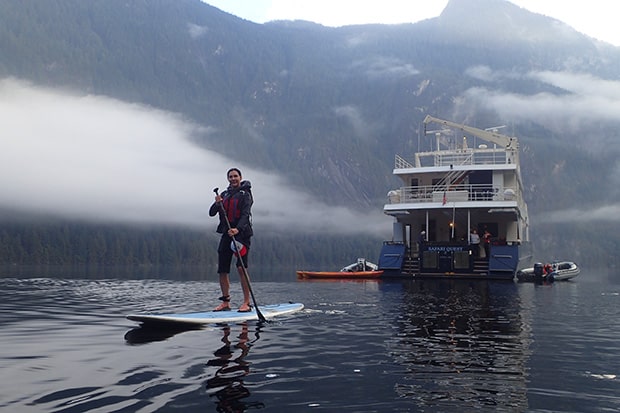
pixel 233 211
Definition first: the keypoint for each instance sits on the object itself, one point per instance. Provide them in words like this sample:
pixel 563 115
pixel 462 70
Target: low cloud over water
pixel 93 158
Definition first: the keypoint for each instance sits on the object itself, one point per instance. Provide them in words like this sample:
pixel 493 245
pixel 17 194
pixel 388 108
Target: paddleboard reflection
pixel 148 334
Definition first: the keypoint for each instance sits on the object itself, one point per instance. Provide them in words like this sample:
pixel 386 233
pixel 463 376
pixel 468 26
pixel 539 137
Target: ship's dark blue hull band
pixel 448 260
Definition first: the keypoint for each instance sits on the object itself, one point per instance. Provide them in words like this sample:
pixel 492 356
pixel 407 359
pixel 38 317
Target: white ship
pixel 469 182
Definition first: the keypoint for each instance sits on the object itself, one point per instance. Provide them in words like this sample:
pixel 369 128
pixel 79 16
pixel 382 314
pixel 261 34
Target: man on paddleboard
pixel 234 207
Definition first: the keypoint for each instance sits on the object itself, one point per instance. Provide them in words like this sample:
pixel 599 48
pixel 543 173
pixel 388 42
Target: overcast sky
pixel 596 18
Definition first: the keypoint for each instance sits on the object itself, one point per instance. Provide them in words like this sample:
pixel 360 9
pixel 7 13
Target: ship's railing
pixel 485 156
pixel 456 193
pixel 401 163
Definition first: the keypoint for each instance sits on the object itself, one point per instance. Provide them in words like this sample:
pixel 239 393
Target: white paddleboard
pixel 214 317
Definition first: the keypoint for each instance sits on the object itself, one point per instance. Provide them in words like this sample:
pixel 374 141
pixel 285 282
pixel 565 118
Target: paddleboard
pixel 214 317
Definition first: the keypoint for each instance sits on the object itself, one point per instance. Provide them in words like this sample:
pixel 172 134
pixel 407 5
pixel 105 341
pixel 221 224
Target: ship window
pixel 430 259
pixel 461 259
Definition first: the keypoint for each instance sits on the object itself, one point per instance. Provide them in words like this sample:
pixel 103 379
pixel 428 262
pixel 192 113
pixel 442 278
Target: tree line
pixel 101 245
pixel 590 244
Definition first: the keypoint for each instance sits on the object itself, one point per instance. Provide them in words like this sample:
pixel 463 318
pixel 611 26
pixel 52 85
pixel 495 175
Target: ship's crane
pixel 507 142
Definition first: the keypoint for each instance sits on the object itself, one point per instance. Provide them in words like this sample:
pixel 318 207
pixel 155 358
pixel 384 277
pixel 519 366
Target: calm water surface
pixel 374 346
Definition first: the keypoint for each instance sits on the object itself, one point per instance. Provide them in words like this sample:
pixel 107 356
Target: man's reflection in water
pixel 227 383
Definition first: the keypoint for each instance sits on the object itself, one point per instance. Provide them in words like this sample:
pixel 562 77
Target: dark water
pixel 375 346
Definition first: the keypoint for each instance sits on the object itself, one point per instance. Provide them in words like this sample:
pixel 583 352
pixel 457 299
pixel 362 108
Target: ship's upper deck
pixel 468 158
pixel 470 177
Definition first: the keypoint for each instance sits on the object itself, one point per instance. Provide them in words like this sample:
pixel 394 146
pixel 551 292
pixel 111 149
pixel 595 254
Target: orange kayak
pixel 339 274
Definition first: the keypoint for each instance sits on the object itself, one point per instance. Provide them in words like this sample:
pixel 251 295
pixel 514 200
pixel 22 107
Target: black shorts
pixel 225 255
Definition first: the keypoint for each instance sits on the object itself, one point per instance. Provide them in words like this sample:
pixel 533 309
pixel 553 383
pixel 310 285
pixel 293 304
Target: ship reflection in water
pixel 464 341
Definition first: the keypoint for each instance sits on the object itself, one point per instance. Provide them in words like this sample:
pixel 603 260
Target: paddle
pixel 260 315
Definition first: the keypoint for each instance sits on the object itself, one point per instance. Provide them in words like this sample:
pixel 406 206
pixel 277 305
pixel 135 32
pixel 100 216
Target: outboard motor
pixel 538 270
